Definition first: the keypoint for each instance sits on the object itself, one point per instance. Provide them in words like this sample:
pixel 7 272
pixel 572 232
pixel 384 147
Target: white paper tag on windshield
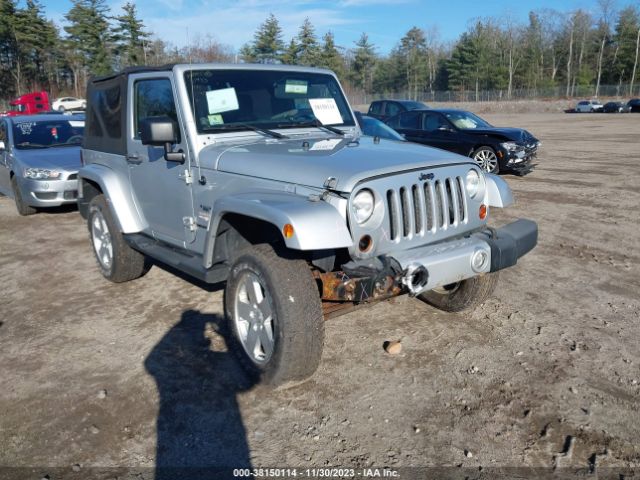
pixel 223 100
pixel 328 144
pixel 326 110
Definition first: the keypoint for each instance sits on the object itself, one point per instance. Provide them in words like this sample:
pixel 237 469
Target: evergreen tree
pixel 290 55
pixel 89 35
pixel 267 43
pixel 625 37
pixel 364 60
pixel 130 37
pixel 330 57
pixel 308 49
pixel 8 48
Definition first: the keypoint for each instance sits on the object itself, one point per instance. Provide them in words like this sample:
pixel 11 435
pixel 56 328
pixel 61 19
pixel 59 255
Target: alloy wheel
pixel 102 240
pixel 486 159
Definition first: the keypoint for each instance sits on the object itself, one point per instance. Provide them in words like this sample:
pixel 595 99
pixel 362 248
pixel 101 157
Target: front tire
pixel 23 208
pixel 486 159
pixel 61 109
pixel 463 295
pixel 275 316
pixel 118 262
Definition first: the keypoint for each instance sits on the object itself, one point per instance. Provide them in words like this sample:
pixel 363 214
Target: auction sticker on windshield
pixel 326 110
pixel 223 100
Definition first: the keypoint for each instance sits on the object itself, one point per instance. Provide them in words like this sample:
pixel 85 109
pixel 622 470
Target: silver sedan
pixel 40 159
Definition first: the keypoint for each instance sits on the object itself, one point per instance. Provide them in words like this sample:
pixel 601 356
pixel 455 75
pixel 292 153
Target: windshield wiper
pixel 317 123
pixel 30 145
pixel 64 144
pixel 240 126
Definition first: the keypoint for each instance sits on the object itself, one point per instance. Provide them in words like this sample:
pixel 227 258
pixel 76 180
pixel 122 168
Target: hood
pixel 311 161
pixel 513 134
pixel 65 158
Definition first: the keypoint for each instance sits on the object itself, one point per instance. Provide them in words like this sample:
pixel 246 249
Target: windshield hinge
pixel 189 223
pixel 188 179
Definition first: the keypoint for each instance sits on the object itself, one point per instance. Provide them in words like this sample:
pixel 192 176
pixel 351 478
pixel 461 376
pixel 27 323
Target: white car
pixel 587 106
pixel 68 103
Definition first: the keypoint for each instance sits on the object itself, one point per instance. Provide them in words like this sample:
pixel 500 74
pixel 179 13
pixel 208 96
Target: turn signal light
pixel 287 230
pixel 482 213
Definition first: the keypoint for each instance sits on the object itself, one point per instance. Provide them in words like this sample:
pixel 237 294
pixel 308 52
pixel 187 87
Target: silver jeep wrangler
pixel 259 176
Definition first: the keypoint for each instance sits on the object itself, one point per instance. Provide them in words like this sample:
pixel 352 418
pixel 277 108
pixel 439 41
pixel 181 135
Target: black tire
pixel 126 263
pixel 297 323
pixel 463 295
pixel 61 109
pixel 21 206
pixel 487 148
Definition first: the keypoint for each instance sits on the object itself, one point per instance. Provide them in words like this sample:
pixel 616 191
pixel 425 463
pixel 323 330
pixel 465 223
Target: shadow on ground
pixel 200 433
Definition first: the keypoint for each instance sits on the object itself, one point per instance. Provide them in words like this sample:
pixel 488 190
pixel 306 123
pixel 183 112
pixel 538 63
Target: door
pixel 408 124
pixel 5 183
pixel 440 133
pixel 162 189
pixel 391 109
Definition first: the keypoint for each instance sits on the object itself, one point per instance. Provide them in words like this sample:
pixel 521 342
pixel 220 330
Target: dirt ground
pixel 545 375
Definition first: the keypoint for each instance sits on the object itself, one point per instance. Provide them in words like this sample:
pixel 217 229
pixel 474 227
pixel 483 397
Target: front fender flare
pixel 497 193
pixel 317 225
pixel 118 196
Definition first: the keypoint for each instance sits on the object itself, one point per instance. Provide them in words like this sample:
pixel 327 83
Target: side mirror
pixel 161 132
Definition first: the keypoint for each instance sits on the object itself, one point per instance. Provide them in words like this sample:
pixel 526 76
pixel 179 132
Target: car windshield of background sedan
pixel 47 133
pixel 466 120
pixel 235 100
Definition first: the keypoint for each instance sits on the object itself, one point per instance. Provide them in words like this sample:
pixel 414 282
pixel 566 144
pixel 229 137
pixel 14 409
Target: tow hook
pixel 415 278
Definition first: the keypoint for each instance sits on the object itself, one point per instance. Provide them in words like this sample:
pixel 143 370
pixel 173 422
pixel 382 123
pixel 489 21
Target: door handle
pixel 134 158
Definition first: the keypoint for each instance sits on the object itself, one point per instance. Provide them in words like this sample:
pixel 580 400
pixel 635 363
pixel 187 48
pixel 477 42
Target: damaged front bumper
pixel 417 270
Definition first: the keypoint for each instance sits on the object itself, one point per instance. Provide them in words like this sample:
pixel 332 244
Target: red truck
pixel 28 104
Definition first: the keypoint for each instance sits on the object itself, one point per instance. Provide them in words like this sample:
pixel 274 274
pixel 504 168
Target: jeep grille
pixel 426 207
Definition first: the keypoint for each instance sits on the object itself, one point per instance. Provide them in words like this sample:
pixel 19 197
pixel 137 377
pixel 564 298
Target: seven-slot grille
pixel 426 207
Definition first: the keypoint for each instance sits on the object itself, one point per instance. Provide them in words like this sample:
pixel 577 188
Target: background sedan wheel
pixel 486 159
pixel 21 206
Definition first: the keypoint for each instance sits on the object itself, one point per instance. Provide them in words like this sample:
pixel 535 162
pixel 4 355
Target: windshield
pixel 233 99
pixel 466 120
pixel 47 133
pixel 375 128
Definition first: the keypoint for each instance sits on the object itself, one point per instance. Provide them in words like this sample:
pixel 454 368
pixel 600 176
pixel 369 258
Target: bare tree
pixel 635 64
pixel 606 11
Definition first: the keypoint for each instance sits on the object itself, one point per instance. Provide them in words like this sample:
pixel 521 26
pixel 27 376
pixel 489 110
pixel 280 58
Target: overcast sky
pixel 234 22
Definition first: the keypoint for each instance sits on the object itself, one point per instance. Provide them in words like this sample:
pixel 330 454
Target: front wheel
pixel 463 295
pixel 23 208
pixel 61 109
pixel 118 262
pixel 486 159
pixel 275 316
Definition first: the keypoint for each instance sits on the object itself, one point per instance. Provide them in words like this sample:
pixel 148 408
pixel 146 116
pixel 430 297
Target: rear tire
pixel 274 315
pixel 462 295
pixel 118 262
pixel 21 206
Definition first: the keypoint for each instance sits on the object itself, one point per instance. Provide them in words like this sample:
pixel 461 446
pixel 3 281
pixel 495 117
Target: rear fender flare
pixel 117 193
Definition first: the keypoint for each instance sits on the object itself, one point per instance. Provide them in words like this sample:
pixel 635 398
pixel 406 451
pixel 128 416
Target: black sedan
pixel 385 109
pixel 495 149
pixel 634 105
pixel 615 107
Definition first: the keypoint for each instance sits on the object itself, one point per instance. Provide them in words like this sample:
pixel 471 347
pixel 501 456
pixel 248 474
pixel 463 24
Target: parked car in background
pixel 494 149
pixel 615 107
pixel 40 159
pixel 68 103
pixel 589 106
pixel 385 109
pixel 28 104
pixel 372 127
pixel 634 105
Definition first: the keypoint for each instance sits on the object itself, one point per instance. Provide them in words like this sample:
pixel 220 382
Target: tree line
pixel 551 49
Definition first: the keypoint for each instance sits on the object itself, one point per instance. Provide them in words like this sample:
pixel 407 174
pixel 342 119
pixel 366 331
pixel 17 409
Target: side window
pixel 394 122
pixel 433 121
pixel 410 120
pixel 153 98
pixel 3 134
pixel 376 108
pixel 392 109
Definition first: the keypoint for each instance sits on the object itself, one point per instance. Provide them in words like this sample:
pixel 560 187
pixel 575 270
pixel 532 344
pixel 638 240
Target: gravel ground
pixel 546 374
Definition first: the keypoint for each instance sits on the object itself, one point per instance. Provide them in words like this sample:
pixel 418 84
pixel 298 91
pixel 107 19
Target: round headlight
pixel 472 183
pixel 362 206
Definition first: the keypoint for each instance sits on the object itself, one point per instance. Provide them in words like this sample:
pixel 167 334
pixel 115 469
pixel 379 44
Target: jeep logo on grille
pixel 426 176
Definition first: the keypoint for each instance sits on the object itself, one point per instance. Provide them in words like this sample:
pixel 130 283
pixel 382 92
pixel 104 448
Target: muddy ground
pixel 546 374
